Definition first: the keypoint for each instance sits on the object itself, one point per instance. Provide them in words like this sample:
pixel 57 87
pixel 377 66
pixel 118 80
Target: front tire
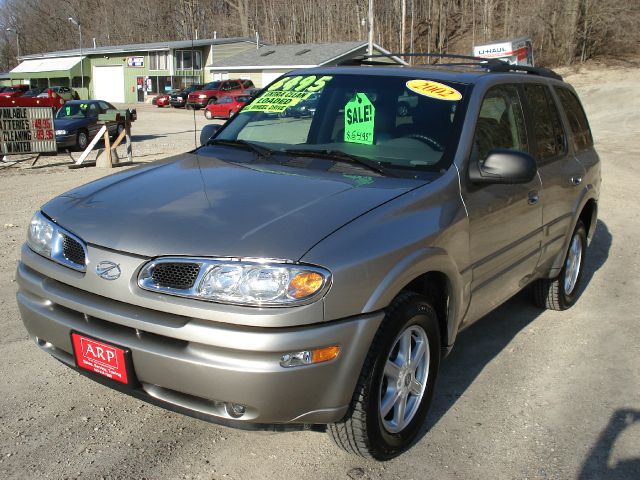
pixel 561 292
pixel 396 384
pixel 82 140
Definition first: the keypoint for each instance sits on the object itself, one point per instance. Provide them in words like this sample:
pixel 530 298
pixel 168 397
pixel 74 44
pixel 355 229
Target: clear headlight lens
pixel 48 239
pixel 40 235
pixel 61 132
pixel 257 282
pixel 202 96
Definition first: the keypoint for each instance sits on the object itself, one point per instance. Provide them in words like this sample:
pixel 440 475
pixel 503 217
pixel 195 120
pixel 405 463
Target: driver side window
pixel 500 123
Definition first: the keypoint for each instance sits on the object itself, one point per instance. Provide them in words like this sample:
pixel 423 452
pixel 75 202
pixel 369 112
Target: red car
pixel 14 91
pixel 214 90
pixel 162 100
pixel 226 107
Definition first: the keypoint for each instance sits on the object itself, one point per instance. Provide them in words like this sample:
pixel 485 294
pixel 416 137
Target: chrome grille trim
pixel 58 249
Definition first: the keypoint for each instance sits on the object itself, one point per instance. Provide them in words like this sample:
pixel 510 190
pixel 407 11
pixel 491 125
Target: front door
pixel 140 88
pixel 505 221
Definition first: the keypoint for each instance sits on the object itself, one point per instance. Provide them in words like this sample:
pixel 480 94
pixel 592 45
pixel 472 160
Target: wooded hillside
pixel 563 31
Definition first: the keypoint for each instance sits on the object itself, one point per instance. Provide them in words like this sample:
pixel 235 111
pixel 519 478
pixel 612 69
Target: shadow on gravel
pixel 476 346
pixel 597 465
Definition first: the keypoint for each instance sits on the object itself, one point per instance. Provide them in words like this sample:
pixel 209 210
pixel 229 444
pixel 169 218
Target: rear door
pixel 561 174
pixel 505 221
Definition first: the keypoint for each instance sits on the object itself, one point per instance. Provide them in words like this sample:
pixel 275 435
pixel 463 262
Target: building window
pixel 188 60
pixel 158 61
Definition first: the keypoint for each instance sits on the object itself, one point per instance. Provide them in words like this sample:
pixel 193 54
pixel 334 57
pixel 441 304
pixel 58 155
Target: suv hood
pixel 202 206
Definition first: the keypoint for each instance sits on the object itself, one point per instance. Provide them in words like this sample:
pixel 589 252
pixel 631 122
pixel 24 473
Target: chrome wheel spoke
pixel 391 370
pixel 415 387
pixel 390 399
pixel 418 354
pixel 400 411
pixel 405 346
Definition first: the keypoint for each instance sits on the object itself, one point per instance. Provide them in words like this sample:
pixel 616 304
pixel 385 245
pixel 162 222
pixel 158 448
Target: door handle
pixel 576 180
pixel 533 197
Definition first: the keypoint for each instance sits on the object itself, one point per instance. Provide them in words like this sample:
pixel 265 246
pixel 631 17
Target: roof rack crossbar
pixel 490 64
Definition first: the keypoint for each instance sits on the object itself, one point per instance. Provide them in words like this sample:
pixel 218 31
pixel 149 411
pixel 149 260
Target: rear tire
pixel 561 292
pixel 390 403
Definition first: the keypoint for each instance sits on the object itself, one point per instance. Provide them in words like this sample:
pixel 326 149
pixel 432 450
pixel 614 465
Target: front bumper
pixel 198 102
pixel 63 141
pixel 197 366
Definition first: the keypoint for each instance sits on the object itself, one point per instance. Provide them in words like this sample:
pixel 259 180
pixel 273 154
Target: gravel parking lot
pixel 524 394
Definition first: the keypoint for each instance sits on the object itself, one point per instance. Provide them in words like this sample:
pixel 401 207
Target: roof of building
pixel 47 64
pixel 292 55
pixel 137 47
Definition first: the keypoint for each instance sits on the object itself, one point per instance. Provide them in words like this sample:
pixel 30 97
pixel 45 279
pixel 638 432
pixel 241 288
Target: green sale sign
pixel 359 120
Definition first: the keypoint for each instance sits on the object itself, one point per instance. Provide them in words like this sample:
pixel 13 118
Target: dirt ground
pixel 524 394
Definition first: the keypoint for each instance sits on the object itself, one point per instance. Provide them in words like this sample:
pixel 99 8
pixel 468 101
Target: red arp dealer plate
pixel 101 358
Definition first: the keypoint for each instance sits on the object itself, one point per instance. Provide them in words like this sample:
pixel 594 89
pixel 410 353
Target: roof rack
pixel 489 64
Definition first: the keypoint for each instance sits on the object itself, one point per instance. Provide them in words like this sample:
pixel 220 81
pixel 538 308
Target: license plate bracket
pixel 103 359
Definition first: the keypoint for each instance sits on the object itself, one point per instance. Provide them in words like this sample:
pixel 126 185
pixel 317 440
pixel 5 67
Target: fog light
pixel 309 357
pixel 235 410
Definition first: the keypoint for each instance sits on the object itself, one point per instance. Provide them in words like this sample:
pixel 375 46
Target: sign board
pixel 27 130
pixel 136 62
pixel 516 52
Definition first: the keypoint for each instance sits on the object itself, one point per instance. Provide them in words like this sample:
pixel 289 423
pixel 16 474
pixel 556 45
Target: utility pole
pixel 370 49
pixel 9 29
pixel 75 22
pixel 403 27
pixel 411 41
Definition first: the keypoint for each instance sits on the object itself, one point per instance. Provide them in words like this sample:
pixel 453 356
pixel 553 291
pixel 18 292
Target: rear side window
pixel 550 138
pixel 247 84
pixel 500 123
pixel 582 137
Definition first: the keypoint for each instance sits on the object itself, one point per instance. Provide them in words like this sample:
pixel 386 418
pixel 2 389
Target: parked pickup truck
pixel 312 272
pixel 213 90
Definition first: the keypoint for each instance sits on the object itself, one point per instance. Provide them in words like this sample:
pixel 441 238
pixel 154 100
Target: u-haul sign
pixel 516 52
pixel 27 130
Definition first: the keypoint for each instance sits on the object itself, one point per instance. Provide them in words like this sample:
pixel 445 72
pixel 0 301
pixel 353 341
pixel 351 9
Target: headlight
pixel 61 132
pixel 202 96
pixel 52 241
pixel 260 282
pixel 40 235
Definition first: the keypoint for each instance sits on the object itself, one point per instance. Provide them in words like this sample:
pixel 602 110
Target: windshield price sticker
pixel 309 83
pixel 287 92
pixel 359 120
pixel 276 101
pixel 432 89
pixel 27 130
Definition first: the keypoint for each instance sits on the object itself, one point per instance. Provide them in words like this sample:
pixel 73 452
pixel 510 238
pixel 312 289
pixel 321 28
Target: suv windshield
pixel 403 124
pixel 212 86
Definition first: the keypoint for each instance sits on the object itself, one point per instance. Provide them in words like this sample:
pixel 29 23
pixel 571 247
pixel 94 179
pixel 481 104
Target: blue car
pixel 76 123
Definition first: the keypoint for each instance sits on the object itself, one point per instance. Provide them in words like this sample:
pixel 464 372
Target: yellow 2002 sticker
pixel 432 89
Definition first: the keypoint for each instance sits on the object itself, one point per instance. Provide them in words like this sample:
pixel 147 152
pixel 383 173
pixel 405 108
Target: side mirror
pixel 207 132
pixel 505 167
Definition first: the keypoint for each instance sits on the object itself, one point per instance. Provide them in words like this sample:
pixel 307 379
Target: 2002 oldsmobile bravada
pixel 310 272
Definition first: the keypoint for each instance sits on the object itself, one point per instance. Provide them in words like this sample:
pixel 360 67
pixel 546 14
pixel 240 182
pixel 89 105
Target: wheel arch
pixel 432 273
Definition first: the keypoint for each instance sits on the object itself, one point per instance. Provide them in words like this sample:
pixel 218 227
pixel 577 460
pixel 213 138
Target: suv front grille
pixel 175 275
pixel 72 250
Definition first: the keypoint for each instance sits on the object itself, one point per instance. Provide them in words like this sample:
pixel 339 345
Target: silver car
pixel 312 272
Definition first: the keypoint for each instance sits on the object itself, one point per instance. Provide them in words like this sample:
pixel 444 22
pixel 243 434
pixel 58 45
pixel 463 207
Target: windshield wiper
pixel 341 156
pixel 261 151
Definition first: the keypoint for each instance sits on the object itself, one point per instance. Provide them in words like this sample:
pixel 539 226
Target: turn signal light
pixel 309 357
